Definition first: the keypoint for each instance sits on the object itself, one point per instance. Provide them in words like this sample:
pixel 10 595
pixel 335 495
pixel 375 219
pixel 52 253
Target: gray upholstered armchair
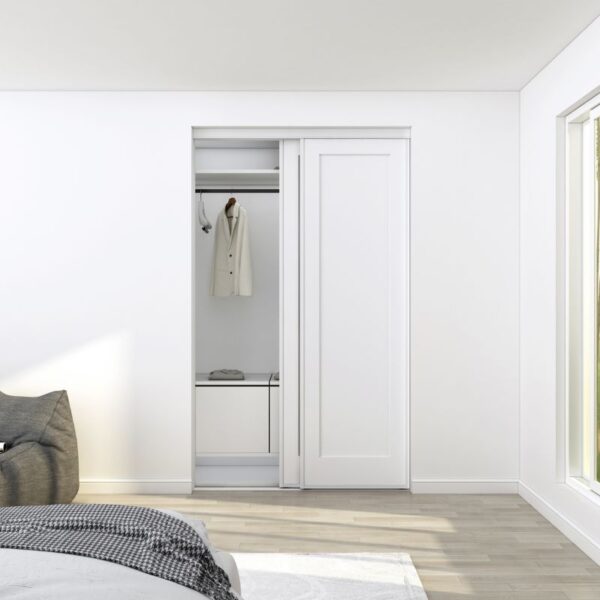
pixel 40 464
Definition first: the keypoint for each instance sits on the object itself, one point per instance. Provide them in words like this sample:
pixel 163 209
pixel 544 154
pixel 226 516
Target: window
pixel 583 295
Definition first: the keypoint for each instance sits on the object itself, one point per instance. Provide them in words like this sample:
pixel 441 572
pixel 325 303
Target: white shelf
pixel 252 379
pixel 225 178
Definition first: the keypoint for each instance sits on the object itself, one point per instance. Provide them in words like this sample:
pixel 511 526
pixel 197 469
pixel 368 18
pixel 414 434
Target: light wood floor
pixel 480 547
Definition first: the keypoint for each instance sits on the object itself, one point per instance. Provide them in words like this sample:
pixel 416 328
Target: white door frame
pixel 291 344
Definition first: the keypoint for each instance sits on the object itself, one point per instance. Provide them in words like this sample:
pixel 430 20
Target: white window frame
pixel 581 270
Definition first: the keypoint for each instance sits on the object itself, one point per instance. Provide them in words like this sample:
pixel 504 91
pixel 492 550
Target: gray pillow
pixel 41 464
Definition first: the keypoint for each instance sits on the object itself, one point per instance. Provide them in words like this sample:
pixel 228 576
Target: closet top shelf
pixel 252 379
pixel 238 178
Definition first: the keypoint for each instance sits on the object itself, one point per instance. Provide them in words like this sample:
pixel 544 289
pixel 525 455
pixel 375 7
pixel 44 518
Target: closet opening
pixel 237 312
pixel 281 288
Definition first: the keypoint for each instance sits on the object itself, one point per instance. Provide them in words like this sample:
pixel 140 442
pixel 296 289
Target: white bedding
pixel 29 575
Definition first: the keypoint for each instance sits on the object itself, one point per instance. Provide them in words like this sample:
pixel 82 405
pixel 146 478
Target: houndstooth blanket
pixel 140 538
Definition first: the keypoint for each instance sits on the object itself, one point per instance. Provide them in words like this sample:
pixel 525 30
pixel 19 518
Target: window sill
pixel 583 487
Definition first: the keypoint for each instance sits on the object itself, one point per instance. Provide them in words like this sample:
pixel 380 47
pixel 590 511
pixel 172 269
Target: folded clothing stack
pixel 226 375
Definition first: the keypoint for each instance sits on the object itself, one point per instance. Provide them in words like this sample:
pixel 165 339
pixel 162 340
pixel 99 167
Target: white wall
pixel 572 76
pixel 240 332
pixel 96 213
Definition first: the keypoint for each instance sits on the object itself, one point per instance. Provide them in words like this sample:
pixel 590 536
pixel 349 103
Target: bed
pixel 27 574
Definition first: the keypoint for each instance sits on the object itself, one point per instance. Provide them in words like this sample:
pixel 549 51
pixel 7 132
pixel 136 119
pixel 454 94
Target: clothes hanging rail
pixel 237 191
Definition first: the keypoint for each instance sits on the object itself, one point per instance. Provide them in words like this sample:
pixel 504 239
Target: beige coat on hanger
pixel 232 268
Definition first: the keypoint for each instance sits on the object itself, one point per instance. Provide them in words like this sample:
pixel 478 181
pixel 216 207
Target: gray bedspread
pixel 140 538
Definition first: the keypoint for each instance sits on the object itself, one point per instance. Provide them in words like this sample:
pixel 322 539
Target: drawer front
pixel 274 414
pixel 232 420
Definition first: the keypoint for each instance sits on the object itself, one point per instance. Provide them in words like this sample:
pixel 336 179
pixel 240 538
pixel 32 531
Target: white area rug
pixel 329 577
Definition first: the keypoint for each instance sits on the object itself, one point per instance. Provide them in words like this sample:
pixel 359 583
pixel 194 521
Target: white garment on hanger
pixel 232 269
pixel 204 222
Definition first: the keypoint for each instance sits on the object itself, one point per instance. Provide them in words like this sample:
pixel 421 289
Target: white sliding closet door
pixel 355 325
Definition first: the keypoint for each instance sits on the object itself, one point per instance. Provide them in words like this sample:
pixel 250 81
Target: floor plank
pixel 485 547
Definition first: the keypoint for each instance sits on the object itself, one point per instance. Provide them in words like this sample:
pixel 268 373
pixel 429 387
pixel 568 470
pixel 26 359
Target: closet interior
pixel 237 311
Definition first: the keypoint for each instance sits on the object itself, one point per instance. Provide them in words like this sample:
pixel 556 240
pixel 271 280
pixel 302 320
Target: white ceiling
pixel 283 44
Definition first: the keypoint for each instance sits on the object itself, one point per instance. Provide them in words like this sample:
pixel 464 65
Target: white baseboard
pixel 565 526
pixel 135 486
pixel 469 486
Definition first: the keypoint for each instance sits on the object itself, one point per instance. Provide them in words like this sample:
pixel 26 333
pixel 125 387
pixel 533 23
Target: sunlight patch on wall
pixel 98 377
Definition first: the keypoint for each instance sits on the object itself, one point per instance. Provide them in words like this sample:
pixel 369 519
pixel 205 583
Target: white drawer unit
pixel 232 419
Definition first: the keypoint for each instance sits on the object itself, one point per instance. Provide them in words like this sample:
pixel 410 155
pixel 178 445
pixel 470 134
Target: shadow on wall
pixel 98 376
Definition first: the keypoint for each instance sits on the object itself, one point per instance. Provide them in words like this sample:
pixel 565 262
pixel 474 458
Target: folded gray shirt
pixel 226 374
